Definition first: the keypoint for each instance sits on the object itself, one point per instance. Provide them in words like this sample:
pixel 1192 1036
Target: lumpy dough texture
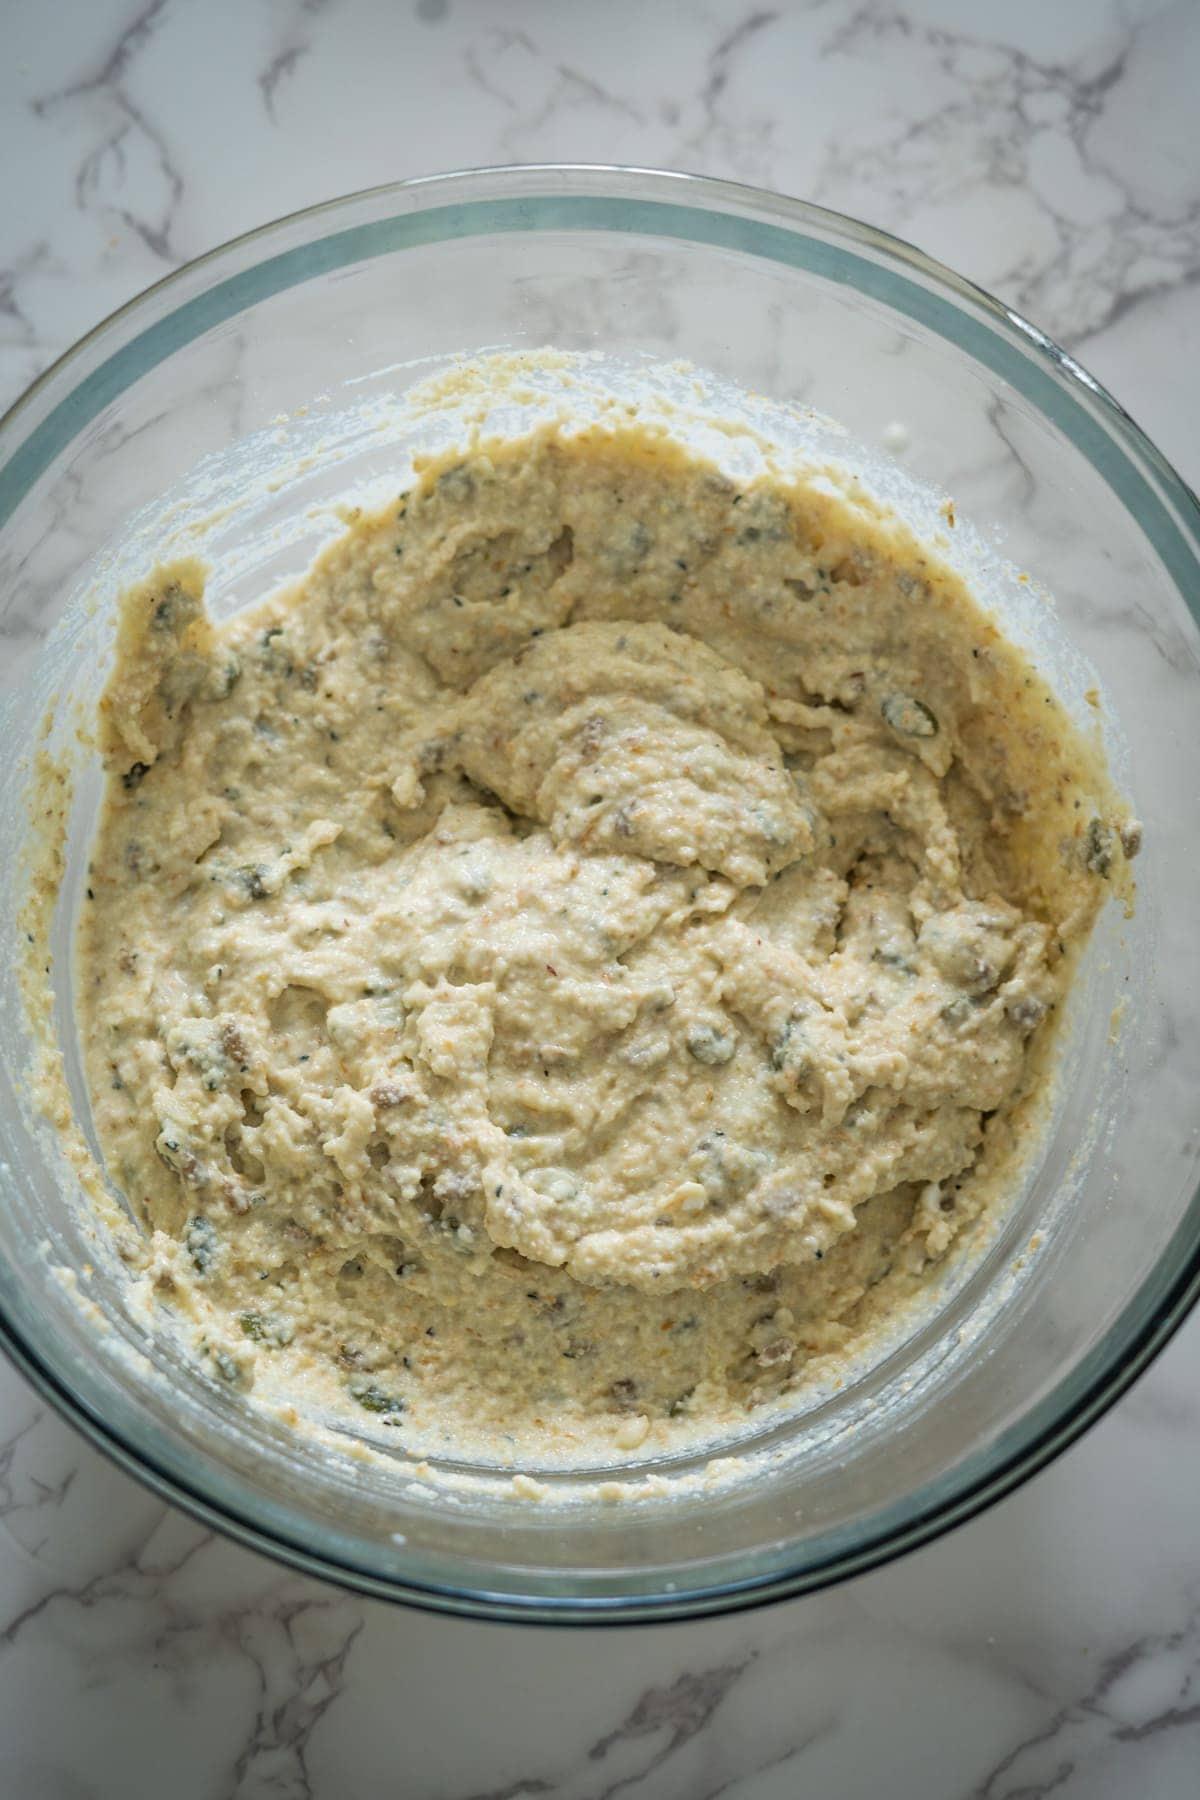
pixel 574 964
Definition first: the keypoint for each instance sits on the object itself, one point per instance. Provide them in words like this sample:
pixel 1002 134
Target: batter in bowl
pixel 564 975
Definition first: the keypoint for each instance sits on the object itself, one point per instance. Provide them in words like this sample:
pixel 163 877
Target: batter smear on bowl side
pixel 564 974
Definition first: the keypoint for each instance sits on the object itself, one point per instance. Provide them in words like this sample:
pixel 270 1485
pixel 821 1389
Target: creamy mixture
pixel 565 974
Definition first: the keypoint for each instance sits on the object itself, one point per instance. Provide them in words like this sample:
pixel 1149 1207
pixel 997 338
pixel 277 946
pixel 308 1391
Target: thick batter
pixel 570 969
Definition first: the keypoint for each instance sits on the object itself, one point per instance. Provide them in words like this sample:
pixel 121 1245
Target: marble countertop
pixel 1051 1646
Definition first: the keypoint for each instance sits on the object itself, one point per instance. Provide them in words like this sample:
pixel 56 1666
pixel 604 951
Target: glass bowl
pixel 238 401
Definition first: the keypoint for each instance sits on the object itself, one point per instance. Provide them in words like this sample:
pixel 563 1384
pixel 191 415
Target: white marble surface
pixel 1052 1646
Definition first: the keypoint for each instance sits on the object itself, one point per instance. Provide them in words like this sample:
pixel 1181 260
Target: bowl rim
pixel 1107 1370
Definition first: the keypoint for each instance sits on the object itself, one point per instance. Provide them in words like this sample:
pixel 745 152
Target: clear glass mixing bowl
pixel 242 396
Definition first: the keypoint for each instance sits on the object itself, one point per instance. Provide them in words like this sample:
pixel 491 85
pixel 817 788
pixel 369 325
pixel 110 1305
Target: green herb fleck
pixel 373 1399
pixel 252 877
pixel 908 717
pixel 710 1045
pixel 1098 848
pixel 201 1242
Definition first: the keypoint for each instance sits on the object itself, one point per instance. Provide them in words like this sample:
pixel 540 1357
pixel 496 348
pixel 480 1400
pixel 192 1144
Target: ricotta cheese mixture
pixel 564 974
